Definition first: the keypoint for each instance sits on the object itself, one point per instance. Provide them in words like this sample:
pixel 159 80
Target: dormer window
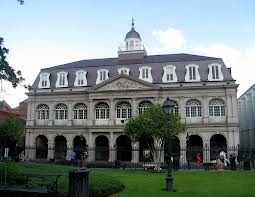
pixel 44 80
pixel 102 75
pixel 145 74
pixel 62 79
pixel 124 70
pixel 169 74
pixel 215 73
pixel 192 73
pixel 80 79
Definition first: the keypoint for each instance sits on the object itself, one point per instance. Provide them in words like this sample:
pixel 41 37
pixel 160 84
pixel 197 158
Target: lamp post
pixel 168 106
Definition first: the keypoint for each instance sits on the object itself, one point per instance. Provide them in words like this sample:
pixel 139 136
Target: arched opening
pixel 124 148
pixel 41 144
pixel 218 143
pixel 102 148
pixel 175 152
pixel 60 148
pixel 79 146
pixel 145 154
pixel 194 146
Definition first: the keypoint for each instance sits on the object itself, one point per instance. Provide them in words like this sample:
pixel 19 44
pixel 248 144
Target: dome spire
pixel 133 24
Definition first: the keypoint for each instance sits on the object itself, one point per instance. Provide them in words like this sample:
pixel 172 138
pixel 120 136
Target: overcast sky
pixel 46 33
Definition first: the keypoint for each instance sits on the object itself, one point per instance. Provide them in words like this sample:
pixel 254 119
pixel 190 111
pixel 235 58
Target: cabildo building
pixel 84 104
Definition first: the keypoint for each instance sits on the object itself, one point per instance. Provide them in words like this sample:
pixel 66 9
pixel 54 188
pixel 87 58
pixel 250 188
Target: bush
pixel 12 172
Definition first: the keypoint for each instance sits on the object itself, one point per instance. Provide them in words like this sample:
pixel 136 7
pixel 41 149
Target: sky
pixel 44 33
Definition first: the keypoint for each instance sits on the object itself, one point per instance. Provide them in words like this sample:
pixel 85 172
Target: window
pixel 42 112
pixel 44 80
pixel 215 73
pixel 193 108
pixel 124 70
pixel 60 112
pixel 145 74
pixel 216 107
pixel 62 79
pixel 102 75
pixel 176 108
pixel 102 111
pixel 80 79
pixel 169 74
pixel 192 73
pixel 80 111
pixel 123 110
pixel 143 106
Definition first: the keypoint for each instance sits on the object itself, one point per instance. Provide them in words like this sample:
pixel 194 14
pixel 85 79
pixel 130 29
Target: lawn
pixel 145 183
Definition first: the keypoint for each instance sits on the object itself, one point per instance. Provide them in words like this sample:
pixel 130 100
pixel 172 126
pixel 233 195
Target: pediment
pixel 122 82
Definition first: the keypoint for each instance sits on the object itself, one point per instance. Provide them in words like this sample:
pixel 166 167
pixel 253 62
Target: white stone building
pixel 86 103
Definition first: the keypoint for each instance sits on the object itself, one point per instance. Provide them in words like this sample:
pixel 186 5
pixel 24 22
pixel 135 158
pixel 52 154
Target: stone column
pixel 91 148
pixel 135 152
pixel 205 108
pixel 182 112
pixel 70 113
pixel 183 158
pixel 30 146
pixel 112 148
pixel 91 116
pixel 206 152
pixel 134 107
pixel 50 150
pixel 112 112
pixel 229 109
pixel 51 114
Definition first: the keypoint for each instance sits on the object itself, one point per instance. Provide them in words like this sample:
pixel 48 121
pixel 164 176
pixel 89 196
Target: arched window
pixel 193 108
pixel 216 107
pixel 176 108
pixel 143 106
pixel 80 111
pixel 102 111
pixel 123 110
pixel 42 112
pixel 60 112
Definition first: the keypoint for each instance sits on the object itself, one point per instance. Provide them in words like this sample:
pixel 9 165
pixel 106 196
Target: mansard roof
pixel 156 62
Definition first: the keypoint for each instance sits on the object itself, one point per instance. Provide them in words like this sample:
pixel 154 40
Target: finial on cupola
pixel 133 23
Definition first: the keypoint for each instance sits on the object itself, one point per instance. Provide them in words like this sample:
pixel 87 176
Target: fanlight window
pixel 60 112
pixel 123 110
pixel 80 111
pixel 143 106
pixel 217 107
pixel 102 111
pixel 193 108
pixel 42 112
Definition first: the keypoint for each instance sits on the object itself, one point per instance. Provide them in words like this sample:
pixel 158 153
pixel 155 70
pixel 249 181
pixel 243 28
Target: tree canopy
pixel 6 71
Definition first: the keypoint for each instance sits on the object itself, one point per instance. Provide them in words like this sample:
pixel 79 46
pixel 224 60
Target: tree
pixel 11 129
pixel 154 123
pixel 6 71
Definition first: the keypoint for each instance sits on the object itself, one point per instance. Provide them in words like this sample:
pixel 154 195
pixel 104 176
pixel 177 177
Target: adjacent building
pixel 85 104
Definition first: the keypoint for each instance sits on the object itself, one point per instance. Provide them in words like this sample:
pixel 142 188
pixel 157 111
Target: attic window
pixel 102 75
pixel 145 74
pixel 215 73
pixel 169 74
pixel 62 79
pixel 80 79
pixel 124 70
pixel 192 73
pixel 44 80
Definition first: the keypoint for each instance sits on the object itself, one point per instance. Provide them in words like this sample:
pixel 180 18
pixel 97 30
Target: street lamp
pixel 168 106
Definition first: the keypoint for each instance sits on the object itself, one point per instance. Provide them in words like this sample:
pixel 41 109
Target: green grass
pixel 144 183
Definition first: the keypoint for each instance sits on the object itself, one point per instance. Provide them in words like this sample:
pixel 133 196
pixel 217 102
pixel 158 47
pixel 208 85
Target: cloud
pixel 169 39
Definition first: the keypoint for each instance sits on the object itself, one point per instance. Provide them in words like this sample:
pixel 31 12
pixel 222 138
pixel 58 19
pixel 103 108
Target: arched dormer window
pixel 124 70
pixel 169 74
pixel 80 111
pixel 44 80
pixel 42 112
pixel 123 110
pixel 102 111
pixel 145 73
pixel 192 73
pixel 60 112
pixel 215 73
pixel 62 79
pixel 217 107
pixel 80 79
pixel 193 108
pixel 102 75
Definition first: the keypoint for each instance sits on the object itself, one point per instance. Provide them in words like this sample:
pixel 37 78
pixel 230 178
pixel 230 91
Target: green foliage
pixel 12 172
pixel 6 71
pixel 154 123
pixel 11 128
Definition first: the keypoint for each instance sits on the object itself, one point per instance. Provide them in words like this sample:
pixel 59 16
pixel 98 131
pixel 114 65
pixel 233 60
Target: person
pixel 22 156
pixel 73 157
pixel 232 160
pixel 198 159
pixel 219 163
pixel 223 156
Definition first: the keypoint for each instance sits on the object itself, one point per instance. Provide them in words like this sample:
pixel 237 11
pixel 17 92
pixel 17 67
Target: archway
pixel 60 148
pixel 79 146
pixel 124 148
pixel 175 152
pixel 145 154
pixel 41 144
pixel 218 143
pixel 102 148
pixel 194 146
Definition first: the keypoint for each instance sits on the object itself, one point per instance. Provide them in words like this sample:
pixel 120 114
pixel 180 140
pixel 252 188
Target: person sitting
pixel 219 163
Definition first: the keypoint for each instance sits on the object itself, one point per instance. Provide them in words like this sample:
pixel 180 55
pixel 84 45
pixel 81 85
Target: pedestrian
pixel 198 160
pixel 232 160
pixel 73 158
